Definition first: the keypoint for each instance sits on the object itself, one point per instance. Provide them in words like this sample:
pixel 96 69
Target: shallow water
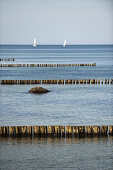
pixel 70 153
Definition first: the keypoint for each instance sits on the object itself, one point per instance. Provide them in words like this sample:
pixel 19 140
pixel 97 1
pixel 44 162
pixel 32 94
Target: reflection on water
pixel 55 153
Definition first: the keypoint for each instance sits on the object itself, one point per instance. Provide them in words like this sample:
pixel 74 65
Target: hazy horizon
pixel 80 22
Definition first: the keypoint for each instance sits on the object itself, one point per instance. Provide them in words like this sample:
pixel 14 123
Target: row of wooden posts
pixel 55 131
pixel 7 59
pixel 70 81
pixel 44 65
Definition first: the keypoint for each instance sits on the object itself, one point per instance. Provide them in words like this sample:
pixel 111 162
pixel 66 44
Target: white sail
pixel 64 44
pixel 34 43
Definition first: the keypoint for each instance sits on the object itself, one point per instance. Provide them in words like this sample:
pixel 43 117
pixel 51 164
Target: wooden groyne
pixel 6 59
pixel 55 131
pixel 46 65
pixel 69 81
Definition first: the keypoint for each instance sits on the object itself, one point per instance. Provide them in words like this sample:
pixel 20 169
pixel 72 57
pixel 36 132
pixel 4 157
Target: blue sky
pixel 52 21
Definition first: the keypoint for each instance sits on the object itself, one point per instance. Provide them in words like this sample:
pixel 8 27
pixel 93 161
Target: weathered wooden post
pixel 29 131
pixel 92 81
pixel 36 130
pixel 43 131
pixel 57 131
pixel 69 131
pixel 89 131
pixel 62 131
pixel 104 130
pixel 75 131
pixel 98 81
pixel 96 130
pixel 111 81
pixel 81 130
pixel 110 130
pixel 12 131
pixel 73 82
pixel 88 81
pixel 84 81
pixel 66 81
pixel 70 81
pixel 77 81
pixel 23 130
pixel 105 81
pixel 81 81
pixel 18 132
pixel 51 131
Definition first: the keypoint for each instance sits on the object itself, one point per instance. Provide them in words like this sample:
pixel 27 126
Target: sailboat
pixel 34 43
pixel 64 44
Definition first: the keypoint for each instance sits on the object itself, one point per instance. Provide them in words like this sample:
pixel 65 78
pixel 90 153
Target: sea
pixel 82 104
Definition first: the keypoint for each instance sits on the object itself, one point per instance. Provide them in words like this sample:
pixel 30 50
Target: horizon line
pixel 58 44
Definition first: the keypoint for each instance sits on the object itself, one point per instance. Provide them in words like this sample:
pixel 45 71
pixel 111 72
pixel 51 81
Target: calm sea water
pixel 64 105
pixel 58 154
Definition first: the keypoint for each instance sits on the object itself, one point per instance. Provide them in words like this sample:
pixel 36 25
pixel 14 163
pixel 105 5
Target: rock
pixel 38 90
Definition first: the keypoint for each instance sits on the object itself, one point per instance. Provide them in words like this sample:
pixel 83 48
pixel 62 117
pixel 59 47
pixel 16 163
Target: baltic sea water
pixel 64 105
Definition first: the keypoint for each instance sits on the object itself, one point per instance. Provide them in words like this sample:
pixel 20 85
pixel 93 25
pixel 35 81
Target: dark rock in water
pixel 38 90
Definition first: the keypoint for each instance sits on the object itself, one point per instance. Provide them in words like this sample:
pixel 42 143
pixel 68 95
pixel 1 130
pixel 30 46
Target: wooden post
pixel 81 81
pixel 62 131
pixel 110 130
pixel 89 130
pixel 98 81
pixel 70 81
pixel 75 131
pixel 51 131
pixel 66 81
pixel 18 131
pixel 88 81
pixel 104 130
pixel 43 81
pixel 92 81
pixel 28 81
pixel 96 130
pixel 105 81
pixel 81 130
pixel 43 131
pixel 57 131
pixel 36 130
pixel 84 81
pixel 12 131
pixel 111 81
pixel 24 130
pixel 69 131
pixel 29 130
pixel 73 82
pixel 77 81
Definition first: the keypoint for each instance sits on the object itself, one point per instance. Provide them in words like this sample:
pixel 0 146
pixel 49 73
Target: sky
pixel 53 21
